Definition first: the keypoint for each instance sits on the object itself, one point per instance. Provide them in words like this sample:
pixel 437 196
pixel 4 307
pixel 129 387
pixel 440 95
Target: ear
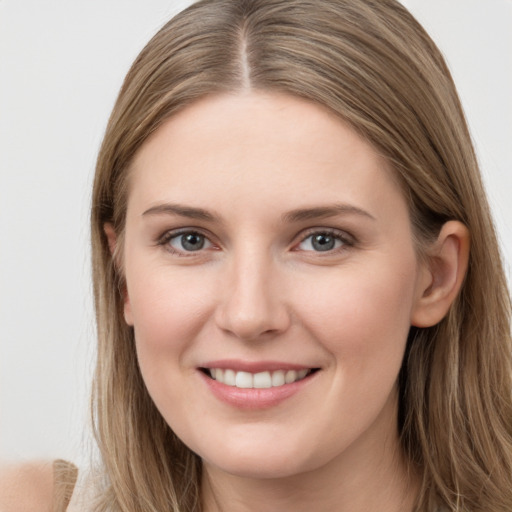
pixel 108 228
pixel 442 275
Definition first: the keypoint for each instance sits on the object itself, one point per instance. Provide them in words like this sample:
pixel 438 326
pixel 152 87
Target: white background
pixel 61 65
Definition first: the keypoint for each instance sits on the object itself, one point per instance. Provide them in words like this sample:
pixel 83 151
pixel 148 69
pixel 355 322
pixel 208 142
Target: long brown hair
pixel 372 64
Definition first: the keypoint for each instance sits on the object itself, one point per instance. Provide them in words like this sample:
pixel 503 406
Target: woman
pixel 299 298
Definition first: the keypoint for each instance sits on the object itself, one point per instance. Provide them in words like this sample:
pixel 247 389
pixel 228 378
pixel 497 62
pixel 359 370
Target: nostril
pixel 252 320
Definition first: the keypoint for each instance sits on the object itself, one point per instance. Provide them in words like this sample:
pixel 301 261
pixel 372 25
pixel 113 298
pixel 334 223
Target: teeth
pixel 302 373
pixel 261 380
pixel 243 380
pixel 290 376
pixel 229 377
pixel 278 378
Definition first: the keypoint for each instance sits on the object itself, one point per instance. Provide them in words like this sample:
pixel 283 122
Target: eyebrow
pixel 183 211
pixel 322 212
pixel 298 215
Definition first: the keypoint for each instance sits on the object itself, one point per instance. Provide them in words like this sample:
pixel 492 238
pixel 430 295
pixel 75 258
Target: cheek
pixel 363 315
pixel 362 320
pixel 167 310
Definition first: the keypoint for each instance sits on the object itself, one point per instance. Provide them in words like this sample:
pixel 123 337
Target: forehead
pixel 256 146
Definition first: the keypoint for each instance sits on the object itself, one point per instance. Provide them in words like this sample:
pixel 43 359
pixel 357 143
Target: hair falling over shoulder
pixel 373 65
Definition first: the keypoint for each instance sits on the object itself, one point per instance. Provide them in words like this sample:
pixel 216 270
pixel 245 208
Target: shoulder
pixel 26 487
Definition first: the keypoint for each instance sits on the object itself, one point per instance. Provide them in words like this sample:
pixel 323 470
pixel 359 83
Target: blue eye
pixel 189 242
pixel 321 242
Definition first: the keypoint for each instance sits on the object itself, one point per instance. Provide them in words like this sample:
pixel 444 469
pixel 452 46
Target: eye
pixel 322 241
pixel 187 242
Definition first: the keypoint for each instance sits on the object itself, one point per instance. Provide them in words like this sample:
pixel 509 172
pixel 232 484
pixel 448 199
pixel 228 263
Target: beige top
pixel 65 475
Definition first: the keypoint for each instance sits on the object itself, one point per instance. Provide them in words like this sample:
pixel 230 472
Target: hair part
pixel 374 66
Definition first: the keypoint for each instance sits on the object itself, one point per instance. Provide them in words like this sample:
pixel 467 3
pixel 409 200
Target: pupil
pixel 192 242
pixel 323 242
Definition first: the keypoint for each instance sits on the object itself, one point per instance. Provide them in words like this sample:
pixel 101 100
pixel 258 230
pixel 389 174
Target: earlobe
pixel 127 310
pixel 446 266
pixel 112 245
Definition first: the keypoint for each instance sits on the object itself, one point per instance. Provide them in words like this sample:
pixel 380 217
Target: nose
pixel 252 305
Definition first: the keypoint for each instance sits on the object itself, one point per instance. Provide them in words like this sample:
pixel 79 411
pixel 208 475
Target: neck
pixel 371 476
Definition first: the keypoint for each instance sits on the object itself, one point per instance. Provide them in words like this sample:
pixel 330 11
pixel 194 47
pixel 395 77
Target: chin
pixel 261 468
pixel 261 463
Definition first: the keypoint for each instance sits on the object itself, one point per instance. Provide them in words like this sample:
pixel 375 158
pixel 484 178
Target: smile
pixel 260 380
pixel 256 385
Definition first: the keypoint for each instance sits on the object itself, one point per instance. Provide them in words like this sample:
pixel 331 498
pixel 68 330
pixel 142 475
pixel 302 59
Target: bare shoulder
pixel 26 487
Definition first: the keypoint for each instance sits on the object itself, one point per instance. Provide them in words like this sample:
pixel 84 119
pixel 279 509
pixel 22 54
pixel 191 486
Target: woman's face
pixel 271 283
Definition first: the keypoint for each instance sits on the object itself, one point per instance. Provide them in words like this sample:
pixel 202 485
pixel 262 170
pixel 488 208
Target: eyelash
pixel 346 240
pixel 166 238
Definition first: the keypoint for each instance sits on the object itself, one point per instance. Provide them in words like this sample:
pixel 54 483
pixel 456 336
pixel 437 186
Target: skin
pixel 26 487
pixel 259 290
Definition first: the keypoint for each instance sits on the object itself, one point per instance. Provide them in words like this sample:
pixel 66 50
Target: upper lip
pixel 254 366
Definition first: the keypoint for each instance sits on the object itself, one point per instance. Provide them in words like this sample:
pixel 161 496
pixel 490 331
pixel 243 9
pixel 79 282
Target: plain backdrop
pixel 61 65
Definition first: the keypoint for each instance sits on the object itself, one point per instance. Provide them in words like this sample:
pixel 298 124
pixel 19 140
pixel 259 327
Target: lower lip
pixel 251 398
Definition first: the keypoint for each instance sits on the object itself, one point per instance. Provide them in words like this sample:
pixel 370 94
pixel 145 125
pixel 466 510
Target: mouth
pixel 259 380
